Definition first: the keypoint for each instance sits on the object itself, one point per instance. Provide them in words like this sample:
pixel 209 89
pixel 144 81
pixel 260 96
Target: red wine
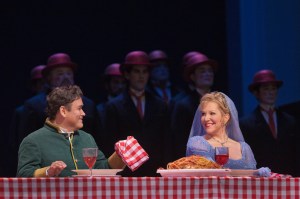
pixel 90 161
pixel 221 159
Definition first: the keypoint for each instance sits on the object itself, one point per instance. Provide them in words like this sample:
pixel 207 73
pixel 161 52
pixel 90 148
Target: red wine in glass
pixel 90 157
pixel 221 155
pixel 90 161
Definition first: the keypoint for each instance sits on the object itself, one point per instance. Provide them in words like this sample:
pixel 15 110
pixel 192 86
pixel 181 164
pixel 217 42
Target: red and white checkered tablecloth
pixel 150 187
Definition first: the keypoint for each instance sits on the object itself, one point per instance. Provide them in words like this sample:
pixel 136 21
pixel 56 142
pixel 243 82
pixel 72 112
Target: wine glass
pixel 221 155
pixel 90 157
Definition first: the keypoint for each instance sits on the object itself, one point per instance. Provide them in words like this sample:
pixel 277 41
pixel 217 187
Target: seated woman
pixel 216 124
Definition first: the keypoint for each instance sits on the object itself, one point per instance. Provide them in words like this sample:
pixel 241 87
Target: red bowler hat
pixel 36 72
pixel 196 60
pixel 158 55
pixel 113 69
pixel 262 77
pixel 58 60
pixel 135 58
pixel 188 55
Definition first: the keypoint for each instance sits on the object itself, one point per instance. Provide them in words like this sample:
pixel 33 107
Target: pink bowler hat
pixel 36 72
pixel 113 70
pixel 188 55
pixel 262 77
pixel 135 58
pixel 158 55
pixel 195 60
pixel 58 60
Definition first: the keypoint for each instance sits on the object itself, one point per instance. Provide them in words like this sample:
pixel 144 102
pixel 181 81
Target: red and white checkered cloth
pixel 278 175
pixel 131 152
pixel 150 187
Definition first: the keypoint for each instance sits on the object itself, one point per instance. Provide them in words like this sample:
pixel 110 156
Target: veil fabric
pixel 232 128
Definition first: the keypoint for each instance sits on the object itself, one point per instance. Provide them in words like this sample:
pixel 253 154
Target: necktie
pixel 139 104
pixel 271 122
pixel 165 95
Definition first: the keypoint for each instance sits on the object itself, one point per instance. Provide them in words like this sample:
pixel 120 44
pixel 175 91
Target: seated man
pixel 56 148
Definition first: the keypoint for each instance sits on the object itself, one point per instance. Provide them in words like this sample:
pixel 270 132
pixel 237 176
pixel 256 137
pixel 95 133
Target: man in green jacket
pixel 56 148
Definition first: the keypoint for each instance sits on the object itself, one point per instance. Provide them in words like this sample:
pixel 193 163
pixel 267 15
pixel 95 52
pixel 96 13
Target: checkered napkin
pixel 131 152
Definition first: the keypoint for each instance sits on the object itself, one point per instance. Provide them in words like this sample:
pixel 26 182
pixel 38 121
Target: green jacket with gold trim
pixel 44 146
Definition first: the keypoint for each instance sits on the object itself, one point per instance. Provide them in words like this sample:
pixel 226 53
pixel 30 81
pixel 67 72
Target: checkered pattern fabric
pixel 131 152
pixel 150 187
pixel 278 175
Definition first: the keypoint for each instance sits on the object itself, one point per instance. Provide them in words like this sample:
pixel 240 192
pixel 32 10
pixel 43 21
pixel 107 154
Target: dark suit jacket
pixel 294 109
pixel 277 154
pixel 174 91
pixel 15 137
pixel 122 120
pixel 181 122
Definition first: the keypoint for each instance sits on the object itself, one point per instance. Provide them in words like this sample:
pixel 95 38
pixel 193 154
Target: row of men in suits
pixel 274 145
pixel 120 119
pixel 60 70
pixel 158 115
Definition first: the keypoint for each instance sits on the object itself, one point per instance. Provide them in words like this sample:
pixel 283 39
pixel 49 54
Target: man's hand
pixel 56 168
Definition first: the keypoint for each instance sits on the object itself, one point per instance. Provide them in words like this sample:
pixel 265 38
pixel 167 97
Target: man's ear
pixel 192 77
pixel 126 75
pixel 63 111
pixel 255 93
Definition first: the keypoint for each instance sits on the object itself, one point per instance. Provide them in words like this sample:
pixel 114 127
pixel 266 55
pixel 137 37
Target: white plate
pixel 96 176
pixel 193 172
pixel 242 172
pixel 98 172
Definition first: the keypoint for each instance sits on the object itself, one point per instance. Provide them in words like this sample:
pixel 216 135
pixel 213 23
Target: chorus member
pixel 59 71
pixel 270 131
pixel 160 78
pixel 139 113
pixel 199 73
pixel 114 84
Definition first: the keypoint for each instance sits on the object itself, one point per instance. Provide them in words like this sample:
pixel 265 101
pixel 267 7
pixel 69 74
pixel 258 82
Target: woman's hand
pixel 263 172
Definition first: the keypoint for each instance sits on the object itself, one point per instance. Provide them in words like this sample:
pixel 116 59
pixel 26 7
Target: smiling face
pixel 213 119
pixel 73 115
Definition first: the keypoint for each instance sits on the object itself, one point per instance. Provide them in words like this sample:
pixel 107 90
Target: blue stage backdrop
pixel 263 35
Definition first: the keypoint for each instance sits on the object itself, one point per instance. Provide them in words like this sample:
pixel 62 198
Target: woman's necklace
pixel 222 143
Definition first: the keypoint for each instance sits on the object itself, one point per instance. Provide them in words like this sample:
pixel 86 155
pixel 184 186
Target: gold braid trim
pixel 48 122
pixel 40 172
pixel 57 128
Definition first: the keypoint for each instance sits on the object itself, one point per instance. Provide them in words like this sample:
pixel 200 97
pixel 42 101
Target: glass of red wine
pixel 221 155
pixel 90 157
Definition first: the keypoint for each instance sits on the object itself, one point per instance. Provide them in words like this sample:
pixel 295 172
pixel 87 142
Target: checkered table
pixel 150 187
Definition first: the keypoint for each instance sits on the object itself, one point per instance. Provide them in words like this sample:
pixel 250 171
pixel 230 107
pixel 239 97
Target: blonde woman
pixel 216 124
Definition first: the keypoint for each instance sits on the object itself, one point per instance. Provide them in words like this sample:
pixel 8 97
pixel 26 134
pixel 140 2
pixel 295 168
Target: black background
pixel 98 33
